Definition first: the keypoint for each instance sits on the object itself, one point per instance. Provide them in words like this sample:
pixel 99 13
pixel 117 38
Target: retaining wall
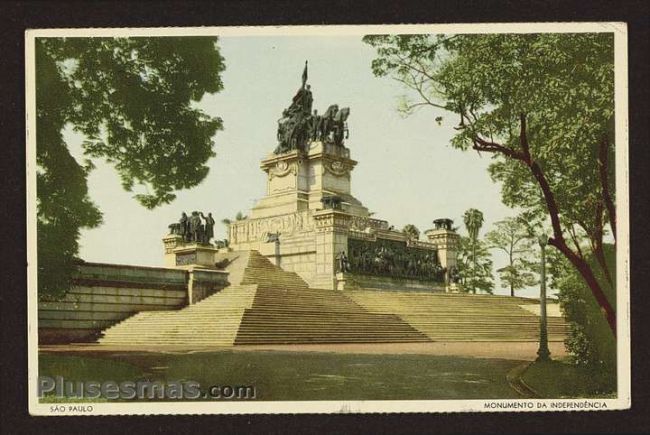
pixel 105 294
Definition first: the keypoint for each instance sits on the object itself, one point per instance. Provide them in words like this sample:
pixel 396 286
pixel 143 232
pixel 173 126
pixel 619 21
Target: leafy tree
pixel 411 231
pixel 134 100
pixel 512 237
pixel 543 106
pixel 475 266
pixel 473 220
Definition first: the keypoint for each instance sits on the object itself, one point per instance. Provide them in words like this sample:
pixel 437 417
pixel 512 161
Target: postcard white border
pixel 623 401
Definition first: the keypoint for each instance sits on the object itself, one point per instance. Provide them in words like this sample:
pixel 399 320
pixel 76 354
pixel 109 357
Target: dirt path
pixel 502 350
pixel 525 351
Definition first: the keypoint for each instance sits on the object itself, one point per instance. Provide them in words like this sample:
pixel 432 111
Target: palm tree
pixel 411 231
pixel 473 219
pixel 238 217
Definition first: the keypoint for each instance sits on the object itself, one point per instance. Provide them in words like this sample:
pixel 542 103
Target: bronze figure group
pixel 394 259
pixel 192 229
pixel 299 125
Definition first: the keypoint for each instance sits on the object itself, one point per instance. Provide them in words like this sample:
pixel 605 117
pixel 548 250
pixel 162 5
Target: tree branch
pixel 481 144
pixel 523 138
pixel 574 238
pixel 558 238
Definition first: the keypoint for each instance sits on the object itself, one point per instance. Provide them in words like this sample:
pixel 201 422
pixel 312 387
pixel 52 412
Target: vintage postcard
pixel 328 219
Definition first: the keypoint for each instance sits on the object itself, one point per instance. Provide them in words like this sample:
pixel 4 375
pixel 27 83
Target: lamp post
pixel 543 354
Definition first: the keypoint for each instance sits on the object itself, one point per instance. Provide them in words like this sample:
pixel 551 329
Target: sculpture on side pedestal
pixel 342 262
pixel 444 224
pixel 191 229
pixel 331 202
pixel 454 275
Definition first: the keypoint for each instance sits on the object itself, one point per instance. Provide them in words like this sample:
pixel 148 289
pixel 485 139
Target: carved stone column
pixel 331 238
pixel 447 242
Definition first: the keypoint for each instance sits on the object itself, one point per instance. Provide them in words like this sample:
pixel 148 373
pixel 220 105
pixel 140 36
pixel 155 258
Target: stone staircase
pixel 267 305
pixel 285 310
pixel 263 305
pixel 214 321
pixel 459 317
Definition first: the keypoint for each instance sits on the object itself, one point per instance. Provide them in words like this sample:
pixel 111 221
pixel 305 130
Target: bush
pixel 590 342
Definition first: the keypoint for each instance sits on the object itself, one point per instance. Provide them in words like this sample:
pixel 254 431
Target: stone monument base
pixel 455 288
pixel 188 255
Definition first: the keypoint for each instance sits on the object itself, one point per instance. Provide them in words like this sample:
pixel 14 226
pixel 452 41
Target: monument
pixel 188 243
pixel 309 222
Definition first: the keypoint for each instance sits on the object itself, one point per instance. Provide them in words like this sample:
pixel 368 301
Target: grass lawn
pixel 300 375
pixel 559 379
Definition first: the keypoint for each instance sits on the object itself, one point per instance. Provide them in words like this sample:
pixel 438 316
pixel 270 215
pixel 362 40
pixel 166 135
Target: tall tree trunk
pixel 557 240
pixel 512 268
pixel 474 266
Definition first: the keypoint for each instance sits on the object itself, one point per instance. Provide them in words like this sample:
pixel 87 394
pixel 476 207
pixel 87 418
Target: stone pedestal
pixel 310 236
pixel 454 288
pixel 341 281
pixel 181 255
pixel 286 186
pixel 297 181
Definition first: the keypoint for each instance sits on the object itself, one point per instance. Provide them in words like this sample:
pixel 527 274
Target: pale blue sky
pixel 407 171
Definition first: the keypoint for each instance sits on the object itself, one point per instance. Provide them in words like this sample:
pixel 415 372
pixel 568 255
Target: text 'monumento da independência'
pixel 309 222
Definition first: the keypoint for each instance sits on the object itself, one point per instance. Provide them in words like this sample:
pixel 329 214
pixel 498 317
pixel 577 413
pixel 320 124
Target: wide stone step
pixel 334 308
pixel 322 323
pixel 326 340
pixel 442 308
pixel 158 337
pixel 434 327
pixel 370 326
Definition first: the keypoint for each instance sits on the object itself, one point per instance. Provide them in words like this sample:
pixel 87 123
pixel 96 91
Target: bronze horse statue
pixel 340 128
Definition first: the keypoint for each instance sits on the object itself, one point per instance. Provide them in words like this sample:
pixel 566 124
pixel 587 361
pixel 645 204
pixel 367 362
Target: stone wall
pixel 105 294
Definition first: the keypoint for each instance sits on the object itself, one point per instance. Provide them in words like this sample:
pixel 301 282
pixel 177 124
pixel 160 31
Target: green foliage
pixel 473 220
pixel 511 236
pixel 562 82
pixel 133 98
pixel 590 341
pixel 475 266
pixel 411 231
pixel 517 276
pixel 558 379
pixel 542 105
pixel 475 275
